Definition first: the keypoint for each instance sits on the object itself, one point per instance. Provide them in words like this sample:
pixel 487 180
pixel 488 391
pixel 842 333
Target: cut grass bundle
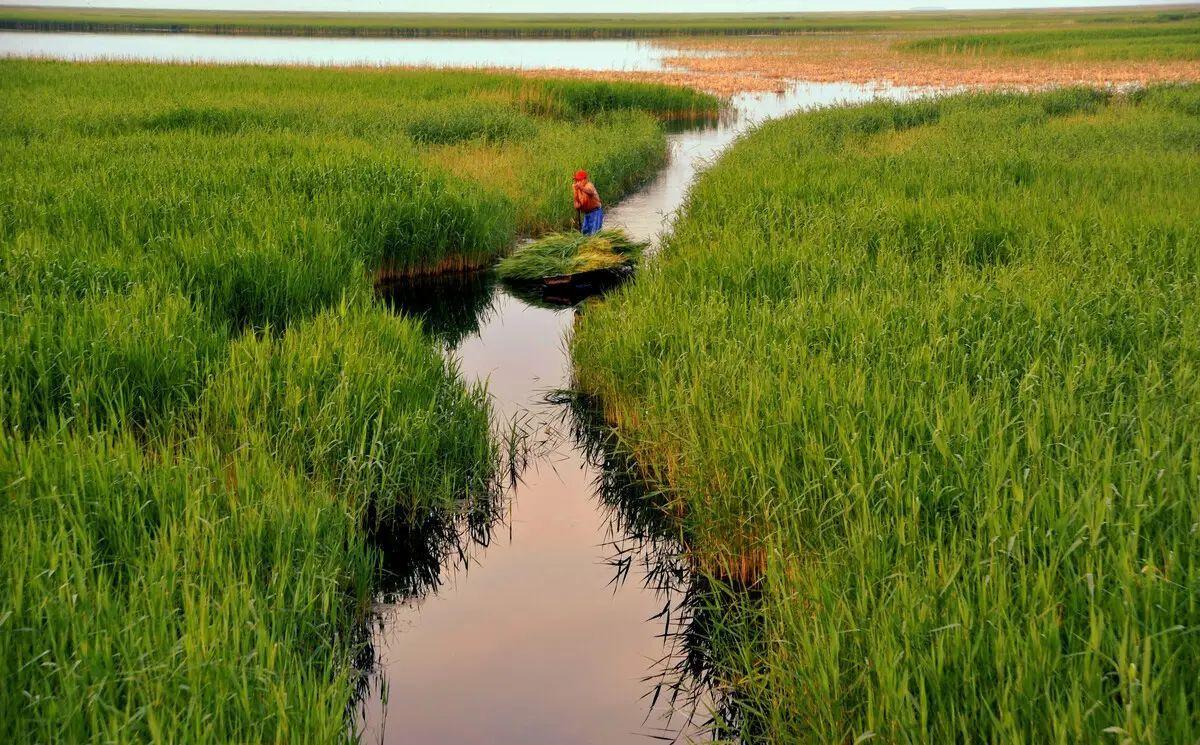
pixel 563 254
pixel 959 451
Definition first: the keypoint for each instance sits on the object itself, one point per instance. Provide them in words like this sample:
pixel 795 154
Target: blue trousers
pixel 592 221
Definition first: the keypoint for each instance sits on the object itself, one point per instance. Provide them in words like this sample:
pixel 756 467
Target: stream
pixel 559 616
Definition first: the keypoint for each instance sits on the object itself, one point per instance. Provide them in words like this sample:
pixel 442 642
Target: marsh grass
pixel 152 593
pixel 209 423
pixel 120 361
pixel 262 192
pixel 932 367
pixel 561 254
pixel 359 400
pixel 1162 36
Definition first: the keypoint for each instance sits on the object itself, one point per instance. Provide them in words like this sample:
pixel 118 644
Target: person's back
pixel 588 204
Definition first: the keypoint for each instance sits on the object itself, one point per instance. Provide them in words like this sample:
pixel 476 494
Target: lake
pixel 528 54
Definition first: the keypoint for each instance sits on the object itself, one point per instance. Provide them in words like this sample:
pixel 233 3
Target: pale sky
pixel 561 6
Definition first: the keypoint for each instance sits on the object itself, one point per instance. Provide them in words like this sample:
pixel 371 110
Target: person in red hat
pixel 588 204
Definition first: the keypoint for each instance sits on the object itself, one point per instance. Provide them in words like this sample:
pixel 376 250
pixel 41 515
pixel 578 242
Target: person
pixel 588 204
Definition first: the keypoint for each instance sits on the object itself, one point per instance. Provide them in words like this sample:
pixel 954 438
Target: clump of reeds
pixel 563 254
pixel 359 398
pixel 470 120
pixel 121 360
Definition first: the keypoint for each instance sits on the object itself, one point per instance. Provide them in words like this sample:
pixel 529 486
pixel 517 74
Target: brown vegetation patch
pixel 450 264
pixel 724 65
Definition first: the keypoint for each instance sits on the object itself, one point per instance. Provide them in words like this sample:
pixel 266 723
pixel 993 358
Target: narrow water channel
pixel 556 625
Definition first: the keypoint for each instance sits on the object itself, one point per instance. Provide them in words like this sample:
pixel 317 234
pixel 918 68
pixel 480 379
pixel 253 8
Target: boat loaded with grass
pixel 573 258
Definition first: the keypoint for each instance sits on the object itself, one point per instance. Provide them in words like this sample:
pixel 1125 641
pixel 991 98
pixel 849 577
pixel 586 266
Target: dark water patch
pixel 451 307
pixel 569 291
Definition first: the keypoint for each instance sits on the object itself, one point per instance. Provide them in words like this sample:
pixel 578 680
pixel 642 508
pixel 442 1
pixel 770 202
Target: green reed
pixel 926 377
pixel 206 412
pixel 153 593
pixel 1167 35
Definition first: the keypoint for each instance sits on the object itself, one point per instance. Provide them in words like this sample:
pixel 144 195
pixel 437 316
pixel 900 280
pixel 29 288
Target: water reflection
pixel 569 293
pixel 451 307
pixel 415 557
pixel 687 689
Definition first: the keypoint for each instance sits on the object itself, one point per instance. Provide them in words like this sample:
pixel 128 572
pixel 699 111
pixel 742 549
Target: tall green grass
pixel 361 402
pixel 122 361
pixel 926 377
pixel 261 193
pixel 155 594
pixel 209 424
pixel 1164 36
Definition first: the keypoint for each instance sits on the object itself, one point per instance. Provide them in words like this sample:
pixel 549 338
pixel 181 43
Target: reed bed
pixel 155 593
pixel 1164 36
pixel 308 177
pixel 207 415
pixel 925 377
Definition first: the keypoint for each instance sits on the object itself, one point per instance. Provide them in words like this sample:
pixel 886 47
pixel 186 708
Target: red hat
pixel 581 175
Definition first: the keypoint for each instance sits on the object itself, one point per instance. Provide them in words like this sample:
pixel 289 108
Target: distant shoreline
pixel 570 26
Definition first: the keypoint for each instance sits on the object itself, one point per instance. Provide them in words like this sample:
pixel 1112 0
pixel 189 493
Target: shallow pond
pixel 582 54
pixel 566 625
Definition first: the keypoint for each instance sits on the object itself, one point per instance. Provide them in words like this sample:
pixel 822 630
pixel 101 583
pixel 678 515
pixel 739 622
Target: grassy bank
pixel 344 168
pixel 1166 35
pixel 926 376
pixel 208 420
pixel 533 25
